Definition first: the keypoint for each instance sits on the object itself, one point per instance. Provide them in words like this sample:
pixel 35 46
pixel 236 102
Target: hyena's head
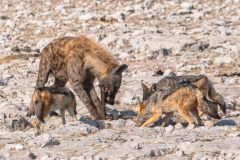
pixel 37 104
pixel 111 83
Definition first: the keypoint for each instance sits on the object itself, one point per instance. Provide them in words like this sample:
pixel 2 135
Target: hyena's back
pixel 80 52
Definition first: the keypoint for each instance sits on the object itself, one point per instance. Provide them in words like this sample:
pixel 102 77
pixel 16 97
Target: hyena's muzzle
pixel 108 96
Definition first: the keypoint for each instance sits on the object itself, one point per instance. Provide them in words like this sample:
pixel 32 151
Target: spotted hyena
pixel 80 60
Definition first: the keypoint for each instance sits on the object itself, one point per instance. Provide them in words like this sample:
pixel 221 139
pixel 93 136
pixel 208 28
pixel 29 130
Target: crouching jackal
pixel 48 99
pixel 200 81
pixel 187 99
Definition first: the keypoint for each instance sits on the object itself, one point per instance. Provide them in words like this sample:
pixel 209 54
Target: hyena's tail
pixel 216 97
pixel 44 68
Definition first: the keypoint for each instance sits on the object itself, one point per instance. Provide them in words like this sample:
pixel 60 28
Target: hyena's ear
pixel 119 69
pixel 146 92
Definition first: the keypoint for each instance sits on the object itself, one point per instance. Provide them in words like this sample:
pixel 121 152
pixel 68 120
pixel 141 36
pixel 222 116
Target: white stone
pixel 169 129
pixel 221 61
pixel 10 24
pixel 87 17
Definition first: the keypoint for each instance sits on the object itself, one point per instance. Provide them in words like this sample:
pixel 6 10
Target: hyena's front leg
pixel 76 80
pixel 90 90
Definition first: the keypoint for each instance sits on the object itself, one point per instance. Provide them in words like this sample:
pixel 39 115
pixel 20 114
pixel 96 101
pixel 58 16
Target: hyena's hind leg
pixel 44 69
pixel 216 97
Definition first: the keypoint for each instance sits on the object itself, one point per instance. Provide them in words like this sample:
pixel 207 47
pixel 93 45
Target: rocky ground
pixel 184 37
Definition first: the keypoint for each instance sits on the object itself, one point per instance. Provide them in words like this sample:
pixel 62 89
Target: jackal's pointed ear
pixel 119 69
pixel 146 93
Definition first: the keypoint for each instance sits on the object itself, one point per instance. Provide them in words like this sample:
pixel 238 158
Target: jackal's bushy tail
pixel 206 106
pixel 216 97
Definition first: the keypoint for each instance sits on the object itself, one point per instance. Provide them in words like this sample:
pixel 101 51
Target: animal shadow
pixel 96 123
pixel 226 122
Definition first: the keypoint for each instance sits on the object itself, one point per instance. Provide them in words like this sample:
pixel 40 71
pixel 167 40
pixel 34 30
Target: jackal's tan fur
pixel 48 99
pixel 200 81
pixel 187 100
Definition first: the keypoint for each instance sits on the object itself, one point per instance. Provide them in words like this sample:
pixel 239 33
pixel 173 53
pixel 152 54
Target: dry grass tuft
pixel 9 58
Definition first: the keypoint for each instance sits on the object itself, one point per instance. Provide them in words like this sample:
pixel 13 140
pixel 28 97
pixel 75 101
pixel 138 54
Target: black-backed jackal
pixel 48 99
pixel 187 99
pixel 200 81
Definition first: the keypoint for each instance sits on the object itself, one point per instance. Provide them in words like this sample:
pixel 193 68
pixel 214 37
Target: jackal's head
pixel 37 104
pixel 141 116
pixel 110 84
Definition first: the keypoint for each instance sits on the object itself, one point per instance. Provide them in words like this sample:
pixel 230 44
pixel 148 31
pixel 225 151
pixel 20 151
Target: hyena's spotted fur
pixel 80 60
pixel 200 81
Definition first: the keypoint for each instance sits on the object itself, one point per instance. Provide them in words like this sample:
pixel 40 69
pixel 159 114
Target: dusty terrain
pixel 184 37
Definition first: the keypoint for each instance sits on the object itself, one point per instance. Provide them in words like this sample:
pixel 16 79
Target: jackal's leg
pixel 43 72
pixel 90 90
pixel 195 113
pixel 186 114
pixel 71 112
pixel 217 98
pixel 76 81
pixel 166 119
pixel 151 120
pixel 63 116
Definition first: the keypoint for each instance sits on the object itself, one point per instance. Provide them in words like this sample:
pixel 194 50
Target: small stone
pixel 10 24
pixel 169 72
pixel 49 141
pixel 234 134
pixel 136 146
pixel 119 123
pixel 130 123
pixel 222 61
pixel 180 153
pixel 17 147
pixel 191 126
pixel 179 126
pixel 187 6
pixel 169 129
pixel 31 155
pixel 209 123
